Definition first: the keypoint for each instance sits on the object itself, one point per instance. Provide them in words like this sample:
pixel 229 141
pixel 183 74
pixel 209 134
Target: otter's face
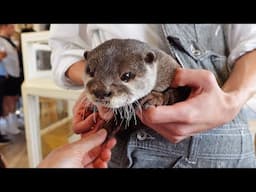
pixel 117 76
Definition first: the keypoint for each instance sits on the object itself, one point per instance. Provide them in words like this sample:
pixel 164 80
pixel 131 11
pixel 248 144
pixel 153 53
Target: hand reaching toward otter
pixel 88 152
pixel 85 116
pixel 81 111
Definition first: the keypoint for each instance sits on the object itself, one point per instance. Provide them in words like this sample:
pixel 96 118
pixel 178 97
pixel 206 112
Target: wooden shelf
pixel 45 87
pixel 38 84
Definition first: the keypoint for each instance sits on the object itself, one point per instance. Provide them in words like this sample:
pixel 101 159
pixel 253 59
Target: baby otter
pixel 125 74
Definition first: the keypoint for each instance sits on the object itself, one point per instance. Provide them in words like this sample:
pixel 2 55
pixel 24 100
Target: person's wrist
pixel 234 101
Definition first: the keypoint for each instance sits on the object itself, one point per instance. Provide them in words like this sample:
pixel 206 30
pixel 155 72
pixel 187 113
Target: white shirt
pixel 69 41
pixel 11 61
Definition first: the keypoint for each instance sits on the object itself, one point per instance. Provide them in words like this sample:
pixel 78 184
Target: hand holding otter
pixel 207 106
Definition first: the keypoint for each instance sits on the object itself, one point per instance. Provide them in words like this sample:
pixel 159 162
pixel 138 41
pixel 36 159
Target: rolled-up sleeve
pixel 68 43
pixel 241 38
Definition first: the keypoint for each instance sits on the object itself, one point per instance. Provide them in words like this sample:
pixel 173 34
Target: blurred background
pixel 43 112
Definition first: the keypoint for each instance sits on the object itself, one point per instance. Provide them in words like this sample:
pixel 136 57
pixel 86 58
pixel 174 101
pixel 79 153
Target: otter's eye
pixel 127 76
pixel 89 71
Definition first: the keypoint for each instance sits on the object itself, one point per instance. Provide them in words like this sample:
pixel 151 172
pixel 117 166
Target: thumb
pixel 93 140
pixel 193 78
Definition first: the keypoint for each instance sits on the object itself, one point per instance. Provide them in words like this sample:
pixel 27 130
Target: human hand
pixel 85 116
pixel 88 152
pixel 207 106
pixel 81 110
pixel 3 54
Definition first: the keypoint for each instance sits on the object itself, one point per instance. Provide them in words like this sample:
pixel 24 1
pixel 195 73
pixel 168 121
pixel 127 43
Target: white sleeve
pixel 68 43
pixel 241 38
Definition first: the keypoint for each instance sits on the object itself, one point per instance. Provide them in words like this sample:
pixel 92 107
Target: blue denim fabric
pixel 228 146
pixel 223 147
pixel 2 69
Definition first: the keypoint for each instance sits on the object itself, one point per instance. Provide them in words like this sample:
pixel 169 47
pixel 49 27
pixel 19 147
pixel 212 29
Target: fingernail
pixel 101 132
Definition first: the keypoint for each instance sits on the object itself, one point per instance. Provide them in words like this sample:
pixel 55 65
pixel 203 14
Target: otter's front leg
pixel 154 98
pixel 168 97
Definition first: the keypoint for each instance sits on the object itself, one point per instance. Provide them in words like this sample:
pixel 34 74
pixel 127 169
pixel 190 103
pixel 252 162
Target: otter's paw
pixel 154 98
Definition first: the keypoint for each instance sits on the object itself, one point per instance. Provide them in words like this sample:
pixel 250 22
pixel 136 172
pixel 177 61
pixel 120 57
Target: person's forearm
pixel 2 162
pixel 241 83
pixel 75 72
pixel 2 55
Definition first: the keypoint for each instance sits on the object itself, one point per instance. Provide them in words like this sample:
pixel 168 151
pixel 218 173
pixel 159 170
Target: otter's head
pixel 119 72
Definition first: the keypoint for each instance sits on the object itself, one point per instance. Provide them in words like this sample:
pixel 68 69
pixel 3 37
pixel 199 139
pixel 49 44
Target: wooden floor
pixel 15 152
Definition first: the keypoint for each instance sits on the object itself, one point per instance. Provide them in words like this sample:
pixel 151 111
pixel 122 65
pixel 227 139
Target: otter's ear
pixel 86 54
pixel 150 57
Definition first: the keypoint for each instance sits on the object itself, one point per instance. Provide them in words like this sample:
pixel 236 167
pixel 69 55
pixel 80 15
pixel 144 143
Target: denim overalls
pixel 228 146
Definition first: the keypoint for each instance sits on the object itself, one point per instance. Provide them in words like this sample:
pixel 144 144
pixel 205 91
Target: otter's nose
pixel 101 94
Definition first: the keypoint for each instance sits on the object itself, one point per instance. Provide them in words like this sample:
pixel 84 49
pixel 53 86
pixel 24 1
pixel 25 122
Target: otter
pixel 127 74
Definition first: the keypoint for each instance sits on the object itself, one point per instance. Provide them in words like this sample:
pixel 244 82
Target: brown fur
pixel 107 64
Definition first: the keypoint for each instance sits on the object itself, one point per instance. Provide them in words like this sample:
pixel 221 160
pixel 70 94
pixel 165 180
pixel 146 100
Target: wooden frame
pixel 32 89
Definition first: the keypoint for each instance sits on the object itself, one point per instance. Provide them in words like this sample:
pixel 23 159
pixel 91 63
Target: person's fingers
pixel 90 165
pixel 100 123
pixel 93 140
pixel 97 157
pixel 102 152
pixel 105 155
pixel 81 102
pixel 100 164
pixel 95 151
pixel 174 132
pixel 86 134
pixel 91 155
pixel 110 143
pixel 80 126
pixel 105 113
pixel 193 78
pixel 182 129
pixel 178 112
pixel 93 129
